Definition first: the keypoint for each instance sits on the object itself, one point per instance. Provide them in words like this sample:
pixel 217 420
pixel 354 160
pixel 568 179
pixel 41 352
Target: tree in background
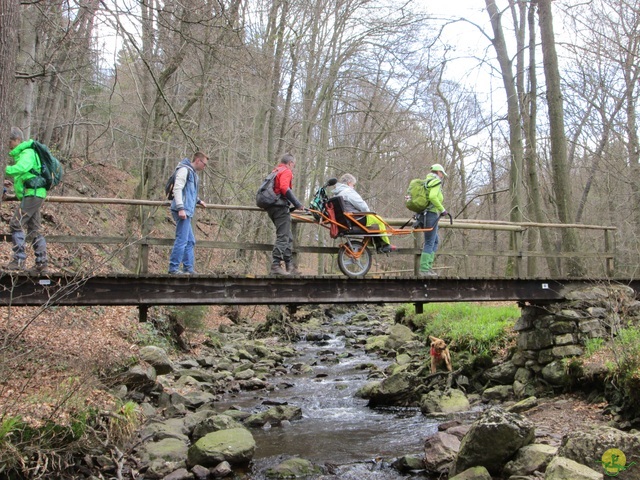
pixel 347 86
pixel 9 21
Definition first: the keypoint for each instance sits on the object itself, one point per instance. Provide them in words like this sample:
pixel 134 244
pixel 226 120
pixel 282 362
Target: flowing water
pixel 336 428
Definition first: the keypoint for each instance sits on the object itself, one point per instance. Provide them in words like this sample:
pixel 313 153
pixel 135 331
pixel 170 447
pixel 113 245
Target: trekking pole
pixel 408 222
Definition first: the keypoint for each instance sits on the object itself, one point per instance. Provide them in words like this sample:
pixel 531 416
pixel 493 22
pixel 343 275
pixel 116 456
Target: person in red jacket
pixel 282 263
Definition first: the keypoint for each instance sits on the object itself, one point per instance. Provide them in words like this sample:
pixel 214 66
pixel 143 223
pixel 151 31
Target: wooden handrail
pixel 516 228
pixel 472 223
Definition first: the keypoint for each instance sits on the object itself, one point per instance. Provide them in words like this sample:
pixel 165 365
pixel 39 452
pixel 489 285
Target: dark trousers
pixel 281 218
pixel 26 216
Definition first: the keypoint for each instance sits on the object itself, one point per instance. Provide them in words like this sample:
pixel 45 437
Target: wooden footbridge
pixel 56 289
pixel 393 281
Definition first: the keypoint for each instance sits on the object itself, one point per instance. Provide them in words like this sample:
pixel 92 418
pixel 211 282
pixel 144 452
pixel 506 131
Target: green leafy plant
pixel 148 334
pixel 191 316
pixel 124 422
pixel 625 368
pixel 593 345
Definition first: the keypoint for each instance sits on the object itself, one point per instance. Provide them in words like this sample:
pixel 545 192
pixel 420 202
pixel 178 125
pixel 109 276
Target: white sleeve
pixel 178 186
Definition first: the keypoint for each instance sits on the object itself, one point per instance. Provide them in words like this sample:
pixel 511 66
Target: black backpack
pixel 266 196
pixel 51 170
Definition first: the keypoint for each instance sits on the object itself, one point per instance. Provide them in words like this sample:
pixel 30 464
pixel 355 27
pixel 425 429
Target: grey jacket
pixel 353 202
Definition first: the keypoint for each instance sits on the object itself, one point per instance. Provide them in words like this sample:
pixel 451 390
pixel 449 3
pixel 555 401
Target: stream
pixel 337 428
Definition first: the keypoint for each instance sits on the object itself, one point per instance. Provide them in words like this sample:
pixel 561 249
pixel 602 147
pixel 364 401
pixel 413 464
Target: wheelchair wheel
pixel 351 265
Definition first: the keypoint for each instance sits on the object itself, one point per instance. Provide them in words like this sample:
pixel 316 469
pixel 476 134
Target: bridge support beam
pixel 150 290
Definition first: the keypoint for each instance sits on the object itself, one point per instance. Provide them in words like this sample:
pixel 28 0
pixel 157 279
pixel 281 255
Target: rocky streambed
pixel 252 406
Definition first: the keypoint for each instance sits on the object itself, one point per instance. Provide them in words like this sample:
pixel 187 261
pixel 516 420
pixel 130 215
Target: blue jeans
pixel 183 251
pixel 431 237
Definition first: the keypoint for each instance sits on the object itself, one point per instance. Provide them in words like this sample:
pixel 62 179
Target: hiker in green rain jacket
pixel 27 214
pixel 430 220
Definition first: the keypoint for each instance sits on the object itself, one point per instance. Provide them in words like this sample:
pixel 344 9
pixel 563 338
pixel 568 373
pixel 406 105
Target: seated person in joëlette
pixel 353 203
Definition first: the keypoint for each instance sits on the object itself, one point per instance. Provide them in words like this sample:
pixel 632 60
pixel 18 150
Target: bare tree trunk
pixel 559 161
pixel 25 63
pixel 275 82
pixel 9 22
pixel 529 116
pixel 513 116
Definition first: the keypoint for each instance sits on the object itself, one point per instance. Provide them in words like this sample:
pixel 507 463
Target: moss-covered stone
pixel 293 468
pixel 235 446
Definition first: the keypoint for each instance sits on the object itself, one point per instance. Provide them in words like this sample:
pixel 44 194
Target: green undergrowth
pixel 621 355
pixel 624 369
pixel 49 449
pixel 474 327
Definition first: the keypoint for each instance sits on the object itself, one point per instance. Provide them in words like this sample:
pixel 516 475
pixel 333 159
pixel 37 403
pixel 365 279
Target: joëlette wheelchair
pixel 358 239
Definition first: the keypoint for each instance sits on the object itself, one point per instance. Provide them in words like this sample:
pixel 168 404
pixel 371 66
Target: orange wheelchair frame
pixel 354 254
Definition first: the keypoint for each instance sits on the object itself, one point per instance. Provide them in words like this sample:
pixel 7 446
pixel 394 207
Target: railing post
pixel 417 236
pixel 143 257
pixel 294 253
pixel 609 254
pixel 517 246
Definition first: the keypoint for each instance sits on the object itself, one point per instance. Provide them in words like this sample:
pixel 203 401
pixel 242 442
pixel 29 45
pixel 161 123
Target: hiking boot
pixel 427 274
pixel 277 269
pixel 292 270
pixel 15 265
pixel 387 249
pixel 41 267
pixel 176 272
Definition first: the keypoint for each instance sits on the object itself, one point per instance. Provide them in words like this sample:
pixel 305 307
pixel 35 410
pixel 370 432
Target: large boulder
pixel 505 432
pixel 139 378
pixel 556 374
pixel 397 389
pixel 235 446
pixel 214 423
pixel 529 459
pixel 376 343
pixel 588 447
pixel 171 428
pixel 440 451
pixel 473 473
pixel 275 416
pixel 399 335
pixel 293 468
pixel 502 374
pixel 168 449
pixel 450 401
pixel 157 357
pixel 194 399
pixel 561 468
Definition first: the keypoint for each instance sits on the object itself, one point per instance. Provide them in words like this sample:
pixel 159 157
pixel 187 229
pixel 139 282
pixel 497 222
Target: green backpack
pixel 51 170
pixel 417 197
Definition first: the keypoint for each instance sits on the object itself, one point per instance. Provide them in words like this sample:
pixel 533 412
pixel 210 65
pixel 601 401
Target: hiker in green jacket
pixel 430 219
pixel 26 215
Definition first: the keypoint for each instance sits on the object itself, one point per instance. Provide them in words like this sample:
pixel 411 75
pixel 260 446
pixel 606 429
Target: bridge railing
pixel 468 248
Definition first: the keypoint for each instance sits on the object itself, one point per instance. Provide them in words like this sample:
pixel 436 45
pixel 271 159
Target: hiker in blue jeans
pixel 431 215
pixel 183 206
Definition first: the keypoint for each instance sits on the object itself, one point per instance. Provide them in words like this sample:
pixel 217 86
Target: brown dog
pixel 439 353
